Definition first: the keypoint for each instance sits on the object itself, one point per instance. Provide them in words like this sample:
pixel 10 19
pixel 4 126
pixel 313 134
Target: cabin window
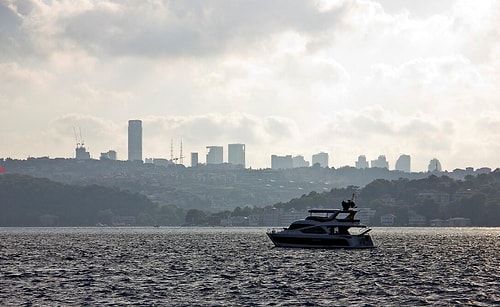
pixel 297 226
pixel 314 230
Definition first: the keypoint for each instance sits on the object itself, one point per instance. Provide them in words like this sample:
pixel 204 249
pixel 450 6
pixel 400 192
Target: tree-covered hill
pixel 28 201
pixel 475 197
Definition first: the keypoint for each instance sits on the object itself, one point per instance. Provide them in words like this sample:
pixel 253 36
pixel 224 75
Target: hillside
pixel 29 201
pixel 476 198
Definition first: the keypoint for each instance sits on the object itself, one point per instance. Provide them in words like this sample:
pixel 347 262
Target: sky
pixel 284 77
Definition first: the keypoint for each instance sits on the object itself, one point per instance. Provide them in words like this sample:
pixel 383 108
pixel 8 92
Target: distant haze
pixel 283 77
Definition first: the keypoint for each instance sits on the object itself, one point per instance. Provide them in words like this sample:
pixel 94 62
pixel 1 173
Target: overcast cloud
pixel 284 77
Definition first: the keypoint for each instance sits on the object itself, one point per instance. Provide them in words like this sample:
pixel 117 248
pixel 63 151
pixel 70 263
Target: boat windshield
pixel 298 226
pixel 343 215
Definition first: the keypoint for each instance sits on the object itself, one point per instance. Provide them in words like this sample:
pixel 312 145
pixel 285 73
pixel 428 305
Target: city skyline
pixel 345 77
pixel 215 155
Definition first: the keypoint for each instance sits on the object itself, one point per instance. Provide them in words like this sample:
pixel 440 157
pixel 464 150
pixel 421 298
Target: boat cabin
pixel 325 215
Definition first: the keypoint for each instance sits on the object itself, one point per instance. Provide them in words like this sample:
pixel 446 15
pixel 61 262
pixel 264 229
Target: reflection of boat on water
pixel 325 228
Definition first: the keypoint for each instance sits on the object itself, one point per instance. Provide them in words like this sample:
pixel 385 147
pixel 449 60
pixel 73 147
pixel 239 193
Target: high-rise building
pixel 281 162
pixel 110 155
pixel 299 161
pixel 215 155
pixel 381 162
pixel 434 165
pixel 321 159
pixel 236 154
pixel 403 163
pixel 194 159
pixel 362 162
pixel 135 140
pixel 81 153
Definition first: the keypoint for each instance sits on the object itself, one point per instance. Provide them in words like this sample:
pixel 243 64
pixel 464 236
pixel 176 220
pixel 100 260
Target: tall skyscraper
pixel 236 154
pixel 321 159
pixel 403 163
pixel 215 155
pixel 135 140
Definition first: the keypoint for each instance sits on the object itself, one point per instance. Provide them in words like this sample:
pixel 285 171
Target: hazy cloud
pixel 284 77
pixel 164 28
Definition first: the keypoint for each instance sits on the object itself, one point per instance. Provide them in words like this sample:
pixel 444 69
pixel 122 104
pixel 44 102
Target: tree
pixel 473 207
pixel 429 208
pixel 195 217
pixel 105 216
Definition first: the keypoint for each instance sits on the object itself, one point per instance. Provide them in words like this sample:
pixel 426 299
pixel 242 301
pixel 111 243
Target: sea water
pixel 240 267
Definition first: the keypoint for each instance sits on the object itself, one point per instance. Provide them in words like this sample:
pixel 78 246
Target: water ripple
pixel 227 266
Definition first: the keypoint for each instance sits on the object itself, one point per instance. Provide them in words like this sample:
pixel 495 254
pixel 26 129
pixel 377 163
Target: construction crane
pixel 79 142
pixel 76 137
pixel 81 137
pixel 81 153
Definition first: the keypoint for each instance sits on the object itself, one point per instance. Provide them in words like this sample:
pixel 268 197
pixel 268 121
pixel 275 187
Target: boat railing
pixel 275 230
pixel 365 232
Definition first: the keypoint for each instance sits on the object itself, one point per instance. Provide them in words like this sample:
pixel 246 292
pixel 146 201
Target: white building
pixel 321 159
pixel 299 161
pixel 434 166
pixel 236 154
pixel 403 163
pixel 281 162
pixel 381 162
pixel 215 155
pixel 365 215
pixel 387 220
pixel 362 162
pixel 417 220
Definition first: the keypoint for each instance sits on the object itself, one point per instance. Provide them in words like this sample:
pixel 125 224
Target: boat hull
pixel 282 239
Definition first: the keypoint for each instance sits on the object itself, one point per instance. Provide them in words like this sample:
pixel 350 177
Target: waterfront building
pixel 417 220
pixel 365 215
pixel 452 222
pixel 387 219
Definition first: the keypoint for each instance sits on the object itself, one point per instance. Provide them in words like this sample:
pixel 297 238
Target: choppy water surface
pixel 240 267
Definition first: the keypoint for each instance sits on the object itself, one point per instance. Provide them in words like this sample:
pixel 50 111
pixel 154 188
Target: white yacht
pixel 325 228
